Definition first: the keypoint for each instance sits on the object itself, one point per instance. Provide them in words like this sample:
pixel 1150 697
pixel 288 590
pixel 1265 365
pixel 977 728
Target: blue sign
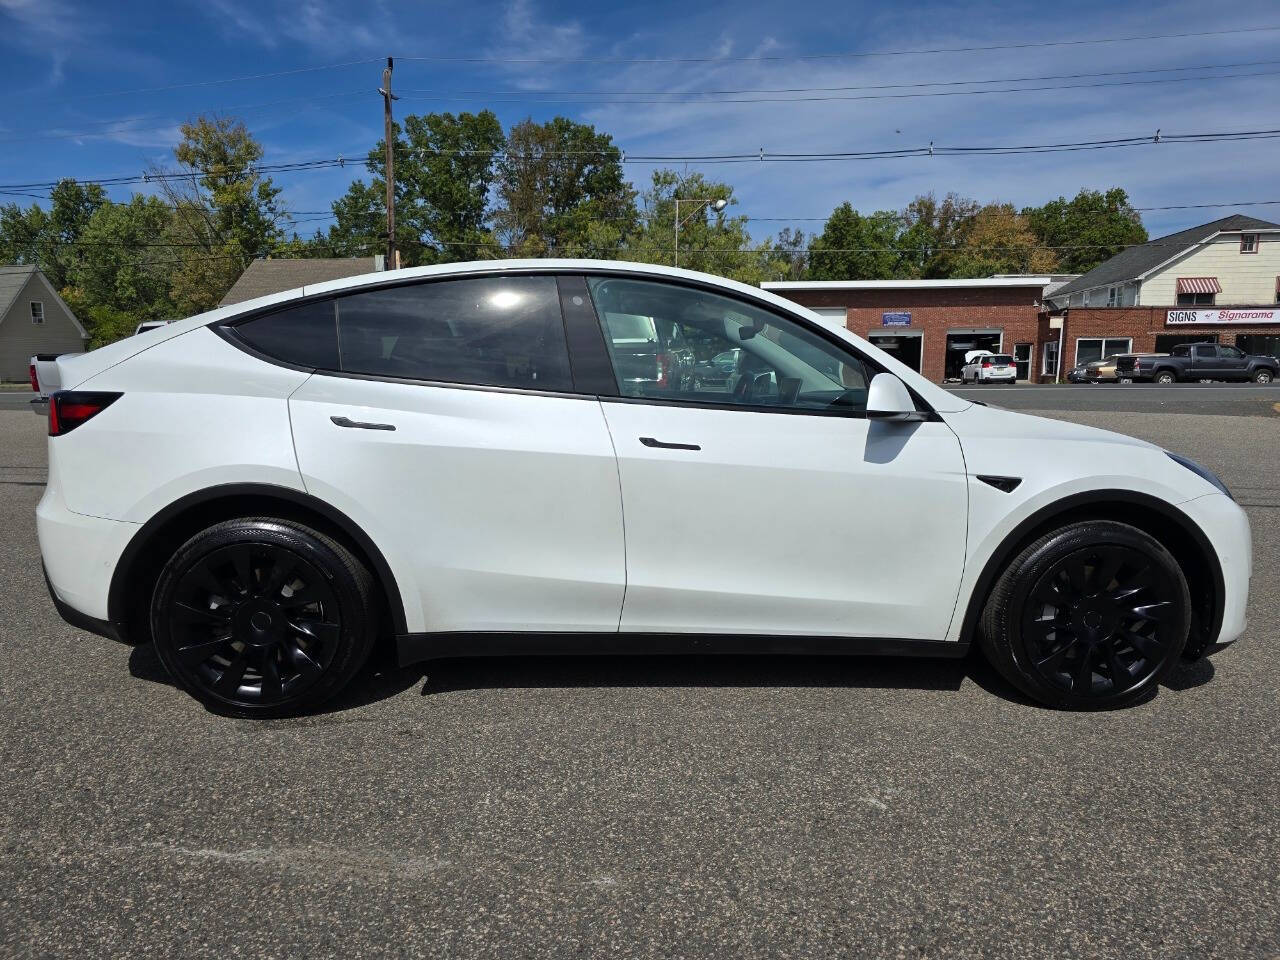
pixel 895 319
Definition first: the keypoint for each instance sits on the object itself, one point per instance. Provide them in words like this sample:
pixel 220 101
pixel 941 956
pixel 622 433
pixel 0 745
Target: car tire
pixel 1165 377
pixel 1067 639
pixel 1263 377
pixel 263 617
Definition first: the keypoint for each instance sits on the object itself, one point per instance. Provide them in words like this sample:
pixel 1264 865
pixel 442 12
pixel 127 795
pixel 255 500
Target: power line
pixel 696 97
pixel 1198 34
pixel 593 96
pixel 760 155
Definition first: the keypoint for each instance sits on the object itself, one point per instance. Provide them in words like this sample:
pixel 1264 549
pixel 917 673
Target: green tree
pixel 1088 229
pixel 934 229
pixel 127 266
pixel 555 180
pixel 445 170
pixel 710 241
pixel 50 238
pixel 999 240
pixel 225 212
pixel 856 247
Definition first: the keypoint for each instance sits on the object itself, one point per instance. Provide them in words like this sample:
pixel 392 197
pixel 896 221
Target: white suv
pixel 447 458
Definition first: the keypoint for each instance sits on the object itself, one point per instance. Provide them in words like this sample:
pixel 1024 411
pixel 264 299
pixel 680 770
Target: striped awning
pixel 1199 285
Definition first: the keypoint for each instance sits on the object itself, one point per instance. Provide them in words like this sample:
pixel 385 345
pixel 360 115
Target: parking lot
pixel 731 807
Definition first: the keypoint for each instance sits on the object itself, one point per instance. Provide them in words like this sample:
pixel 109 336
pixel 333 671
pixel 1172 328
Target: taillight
pixel 986 365
pixel 35 381
pixel 663 369
pixel 70 408
pixel 1137 365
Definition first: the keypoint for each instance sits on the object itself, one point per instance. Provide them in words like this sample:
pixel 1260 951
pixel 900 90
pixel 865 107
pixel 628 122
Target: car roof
pixel 938 398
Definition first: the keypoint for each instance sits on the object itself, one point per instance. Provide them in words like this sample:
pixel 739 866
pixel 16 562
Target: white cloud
pixel 324 26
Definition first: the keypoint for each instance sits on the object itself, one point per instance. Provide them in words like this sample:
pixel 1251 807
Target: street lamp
pixel 717 204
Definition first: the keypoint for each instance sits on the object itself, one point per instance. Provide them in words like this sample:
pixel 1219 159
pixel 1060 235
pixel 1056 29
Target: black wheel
pixel 1165 376
pixel 1090 616
pixel 1262 376
pixel 260 617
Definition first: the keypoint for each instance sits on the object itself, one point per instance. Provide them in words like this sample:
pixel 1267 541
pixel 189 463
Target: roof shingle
pixel 263 277
pixel 1131 263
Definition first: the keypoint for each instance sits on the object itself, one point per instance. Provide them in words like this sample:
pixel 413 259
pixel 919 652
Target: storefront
pixel 930 324
pixel 1089 333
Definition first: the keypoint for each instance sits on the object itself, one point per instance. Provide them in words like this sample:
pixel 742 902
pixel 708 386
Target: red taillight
pixel 35 381
pixel 986 365
pixel 664 362
pixel 70 408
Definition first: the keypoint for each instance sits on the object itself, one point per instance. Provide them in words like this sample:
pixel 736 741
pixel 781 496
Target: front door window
pixel 688 345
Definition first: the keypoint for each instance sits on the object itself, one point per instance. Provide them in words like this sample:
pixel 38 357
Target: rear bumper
pixel 80 554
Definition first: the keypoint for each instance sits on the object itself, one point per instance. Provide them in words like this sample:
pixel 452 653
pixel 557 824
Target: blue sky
pixel 67 68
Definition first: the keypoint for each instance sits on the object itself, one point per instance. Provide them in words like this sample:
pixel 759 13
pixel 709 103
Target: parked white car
pixel 983 366
pixel 447 458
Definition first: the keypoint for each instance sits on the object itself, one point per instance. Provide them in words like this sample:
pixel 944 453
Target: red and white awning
pixel 1199 285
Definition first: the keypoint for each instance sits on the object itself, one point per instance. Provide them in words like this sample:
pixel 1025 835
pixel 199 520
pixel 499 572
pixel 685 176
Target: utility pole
pixel 387 97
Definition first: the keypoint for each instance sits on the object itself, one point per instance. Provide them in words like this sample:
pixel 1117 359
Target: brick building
pixel 1219 281
pixel 930 324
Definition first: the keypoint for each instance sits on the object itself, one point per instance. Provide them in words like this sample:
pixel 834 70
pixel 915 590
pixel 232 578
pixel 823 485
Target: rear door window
pixel 486 331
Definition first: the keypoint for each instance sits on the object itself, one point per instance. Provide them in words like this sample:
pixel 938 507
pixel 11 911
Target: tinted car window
pixel 669 342
pixel 492 331
pixel 304 335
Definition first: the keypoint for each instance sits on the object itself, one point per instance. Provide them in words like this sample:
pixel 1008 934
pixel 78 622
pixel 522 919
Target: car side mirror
pixel 889 399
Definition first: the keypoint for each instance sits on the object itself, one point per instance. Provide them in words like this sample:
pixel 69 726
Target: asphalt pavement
pixel 646 807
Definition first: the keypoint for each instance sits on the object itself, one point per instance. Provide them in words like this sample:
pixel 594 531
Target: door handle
pixel 651 442
pixel 360 425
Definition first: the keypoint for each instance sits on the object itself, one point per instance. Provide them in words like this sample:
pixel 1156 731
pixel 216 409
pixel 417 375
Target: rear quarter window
pixel 304 335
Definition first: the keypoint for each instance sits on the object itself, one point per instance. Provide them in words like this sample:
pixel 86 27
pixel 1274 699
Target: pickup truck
pixel 44 374
pixel 1199 361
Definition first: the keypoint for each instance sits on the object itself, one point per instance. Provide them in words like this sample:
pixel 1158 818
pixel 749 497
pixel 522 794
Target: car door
pixel 1205 364
pixel 446 424
pixel 1232 362
pixel 777 508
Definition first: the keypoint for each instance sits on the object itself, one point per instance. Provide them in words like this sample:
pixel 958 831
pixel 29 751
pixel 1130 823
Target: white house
pixel 1234 261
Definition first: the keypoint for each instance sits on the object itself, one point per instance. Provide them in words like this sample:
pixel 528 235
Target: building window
pixel 1113 296
pixel 1248 243
pixel 1196 299
pixel 37 311
pixel 1089 349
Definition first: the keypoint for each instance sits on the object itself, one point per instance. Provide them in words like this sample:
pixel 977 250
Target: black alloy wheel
pixel 262 617
pixel 1090 616
pixel 1096 623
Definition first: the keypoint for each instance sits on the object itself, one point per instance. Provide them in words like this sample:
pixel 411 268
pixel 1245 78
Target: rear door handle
pixel 360 425
pixel 651 442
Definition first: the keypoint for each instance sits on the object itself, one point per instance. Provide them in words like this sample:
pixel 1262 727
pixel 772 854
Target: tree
pixel 445 171
pixel 555 180
pixel 127 265
pixel 999 240
pixel 225 212
pixel 791 254
pixel 856 247
pixel 1088 229
pixel 933 230
pixel 50 238
pixel 710 241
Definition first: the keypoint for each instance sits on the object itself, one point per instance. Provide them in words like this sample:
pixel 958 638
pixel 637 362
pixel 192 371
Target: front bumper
pixel 1226 526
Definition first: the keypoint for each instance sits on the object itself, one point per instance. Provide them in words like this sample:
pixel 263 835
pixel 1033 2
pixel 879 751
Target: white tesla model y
pixel 553 456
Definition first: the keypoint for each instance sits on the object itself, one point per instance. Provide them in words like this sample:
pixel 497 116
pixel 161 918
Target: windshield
pixel 999 358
